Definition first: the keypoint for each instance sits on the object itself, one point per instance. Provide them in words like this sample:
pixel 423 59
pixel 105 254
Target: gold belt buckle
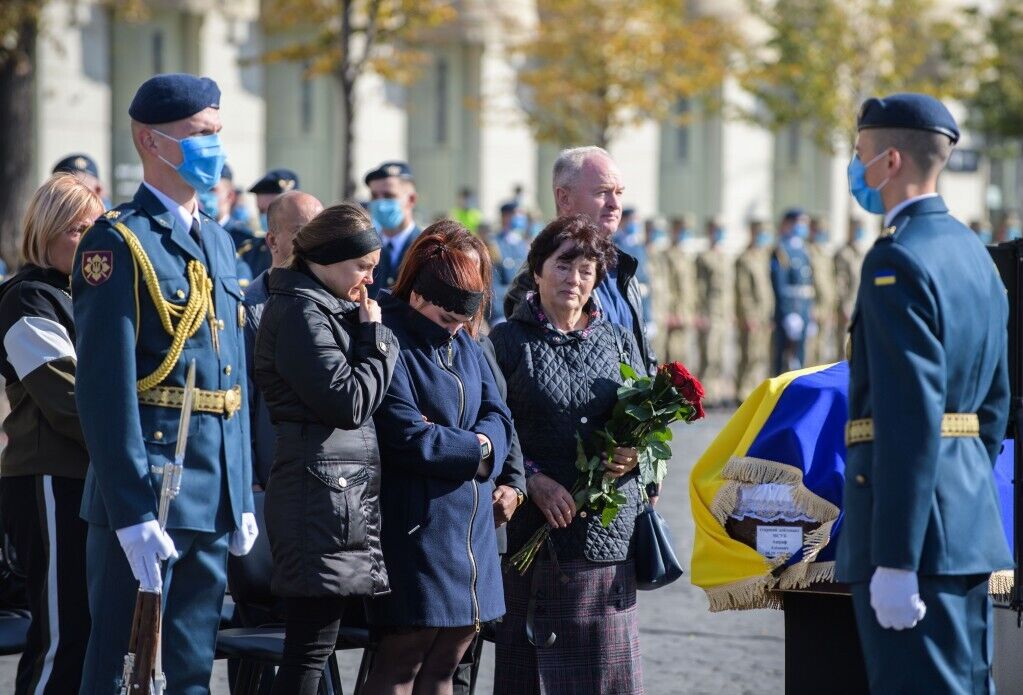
pixel 232 401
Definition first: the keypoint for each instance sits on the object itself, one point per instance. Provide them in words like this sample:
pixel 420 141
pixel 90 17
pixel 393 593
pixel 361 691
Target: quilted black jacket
pixel 560 385
pixel 323 374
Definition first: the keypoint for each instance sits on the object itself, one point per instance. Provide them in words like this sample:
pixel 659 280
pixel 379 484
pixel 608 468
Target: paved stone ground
pixel 686 649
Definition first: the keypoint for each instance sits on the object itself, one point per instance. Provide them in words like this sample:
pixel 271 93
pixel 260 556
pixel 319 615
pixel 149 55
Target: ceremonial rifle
pixel 143 668
pixel 1008 258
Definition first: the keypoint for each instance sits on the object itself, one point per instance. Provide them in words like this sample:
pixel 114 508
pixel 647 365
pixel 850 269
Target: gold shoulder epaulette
pixel 112 214
pixel 887 231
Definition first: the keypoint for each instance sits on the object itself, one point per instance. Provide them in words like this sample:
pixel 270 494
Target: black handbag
pixel 656 562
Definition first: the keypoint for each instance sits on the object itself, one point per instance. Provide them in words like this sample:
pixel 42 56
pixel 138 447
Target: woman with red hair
pixel 443 432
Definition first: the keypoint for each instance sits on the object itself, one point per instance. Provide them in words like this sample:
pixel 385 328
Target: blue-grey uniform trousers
pixel 193 592
pixel 949 651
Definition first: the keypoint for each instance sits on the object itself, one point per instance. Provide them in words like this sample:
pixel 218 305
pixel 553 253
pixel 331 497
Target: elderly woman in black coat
pixel 323 362
pixel 560 356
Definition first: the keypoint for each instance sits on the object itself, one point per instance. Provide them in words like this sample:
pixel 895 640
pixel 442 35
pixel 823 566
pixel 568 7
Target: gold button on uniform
pixel 220 323
pixel 180 294
pixel 158 435
pixel 227 370
pixel 861 479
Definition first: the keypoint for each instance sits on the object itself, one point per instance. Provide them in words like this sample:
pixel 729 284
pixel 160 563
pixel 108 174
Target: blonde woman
pixel 42 469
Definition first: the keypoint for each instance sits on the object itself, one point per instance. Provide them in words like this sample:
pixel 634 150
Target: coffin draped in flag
pixel 766 495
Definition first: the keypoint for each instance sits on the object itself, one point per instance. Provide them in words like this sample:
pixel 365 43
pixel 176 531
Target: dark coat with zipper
pixel 323 374
pixel 438 525
pixel 561 385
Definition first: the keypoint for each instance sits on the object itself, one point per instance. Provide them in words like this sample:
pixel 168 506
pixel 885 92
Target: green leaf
pixel 628 392
pixel 660 450
pixel 627 372
pixel 608 515
pixel 661 434
pixel 639 412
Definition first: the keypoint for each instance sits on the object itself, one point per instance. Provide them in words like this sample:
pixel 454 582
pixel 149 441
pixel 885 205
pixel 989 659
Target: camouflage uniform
pixel 819 346
pixel 714 288
pixel 754 307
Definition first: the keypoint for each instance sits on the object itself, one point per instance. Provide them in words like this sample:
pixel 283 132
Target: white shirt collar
pixel 179 211
pixel 890 215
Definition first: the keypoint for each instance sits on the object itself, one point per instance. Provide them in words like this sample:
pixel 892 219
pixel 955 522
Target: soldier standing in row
pixel 681 318
pixel 792 281
pixel 392 204
pixel 848 260
pixel 822 325
pixel 508 251
pixel 713 282
pixel 255 253
pixel 754 306
pixel 154 288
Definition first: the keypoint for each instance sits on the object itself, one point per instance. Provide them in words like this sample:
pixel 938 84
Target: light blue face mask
pixel 519 223
pixel 801 230
pixel 386 213
pixel 263 223
pixel 718 235
pixel 868 198
pixel 858 234
pixel 202 160
pixel 1013 232
pixel 762 239
pixel 210 204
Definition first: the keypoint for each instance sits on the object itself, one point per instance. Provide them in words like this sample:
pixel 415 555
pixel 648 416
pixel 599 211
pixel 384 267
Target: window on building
pixel 442 101
pixel 306 99
pixel 157 52
pixel 682 131
pixel 794 139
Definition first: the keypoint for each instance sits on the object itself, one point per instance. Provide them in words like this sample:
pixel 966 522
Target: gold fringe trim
pixel 725 501
pixel 802 575
pixel 743 595
pixel 1000 584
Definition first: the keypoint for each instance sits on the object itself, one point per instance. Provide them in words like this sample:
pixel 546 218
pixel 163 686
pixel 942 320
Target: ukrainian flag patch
pixel 884 277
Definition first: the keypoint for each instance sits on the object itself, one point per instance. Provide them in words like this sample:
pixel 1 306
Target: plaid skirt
pixel 591 608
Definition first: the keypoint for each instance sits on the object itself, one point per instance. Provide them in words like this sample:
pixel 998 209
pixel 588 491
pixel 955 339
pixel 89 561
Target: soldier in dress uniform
pixel 754 306
pixel 714 311
pixel 254 252
pixel 792 281
pixel 154 288
pixel 848 260
pixel 508 249
pixel 392 205
pixel 681 319
pixel 928 405
pixel 84 167
pixel 224 197
pixel 822 319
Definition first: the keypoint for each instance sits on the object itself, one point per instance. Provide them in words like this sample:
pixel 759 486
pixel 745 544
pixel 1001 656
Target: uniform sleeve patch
pixel 884 277
pixel 97 266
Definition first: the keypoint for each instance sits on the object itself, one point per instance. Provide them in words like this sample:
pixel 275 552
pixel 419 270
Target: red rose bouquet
pixel 641 420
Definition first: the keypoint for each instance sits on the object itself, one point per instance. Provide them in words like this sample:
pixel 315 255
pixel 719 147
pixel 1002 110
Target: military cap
pixel 77 164
pixel 908 110
pixel 276 181
pixel 226 172
pixel 387 169
pixel 626 212
pixel 510 206
pixel 173 96
pixel 792 214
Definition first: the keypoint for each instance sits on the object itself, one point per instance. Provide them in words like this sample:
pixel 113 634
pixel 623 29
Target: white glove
pixel 793 325
pixel 895 598
pixel 243 538
pixel 145 546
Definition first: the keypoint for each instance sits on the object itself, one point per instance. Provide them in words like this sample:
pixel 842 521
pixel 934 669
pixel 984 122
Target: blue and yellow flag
pixel 785 446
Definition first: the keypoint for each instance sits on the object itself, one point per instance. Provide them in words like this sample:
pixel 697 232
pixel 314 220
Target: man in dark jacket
pixel 587 181
pixel 285 216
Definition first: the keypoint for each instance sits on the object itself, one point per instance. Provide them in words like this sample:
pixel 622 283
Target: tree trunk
pixel 346 89
pixel 17 99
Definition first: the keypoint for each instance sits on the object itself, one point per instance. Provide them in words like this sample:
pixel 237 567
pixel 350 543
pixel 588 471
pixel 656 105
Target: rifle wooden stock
pixel 143 645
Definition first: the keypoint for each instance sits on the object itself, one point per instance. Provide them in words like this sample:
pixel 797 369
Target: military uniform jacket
pixel 847 277
pixel 928 338
pixel 823 265
pixel 121 340
pixel 792 279
pixel 753 300
pixel 713 280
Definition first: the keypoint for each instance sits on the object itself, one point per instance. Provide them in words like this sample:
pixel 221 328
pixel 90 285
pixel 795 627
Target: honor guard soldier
pixel 928 404
pixel 792 281
pixel 392 203
pixel 218 204
pixel 154 288
pixel 84 167
pixel 254 252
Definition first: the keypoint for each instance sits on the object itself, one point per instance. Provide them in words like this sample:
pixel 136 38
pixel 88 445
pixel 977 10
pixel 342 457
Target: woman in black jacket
pixel 560 356
pixel 42 471
pixel 323 363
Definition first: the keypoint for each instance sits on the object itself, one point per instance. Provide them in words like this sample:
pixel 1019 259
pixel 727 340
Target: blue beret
pixel 793 213
pixel 173 96
pixel 276 181
pixel 388 169
pixel 908 110
pixel 226 173
pixel 77 164
pixel 508 207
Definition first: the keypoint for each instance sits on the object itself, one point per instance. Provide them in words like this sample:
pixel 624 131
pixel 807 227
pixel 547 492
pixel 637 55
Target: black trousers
pixel 310 637
pixel 40 517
